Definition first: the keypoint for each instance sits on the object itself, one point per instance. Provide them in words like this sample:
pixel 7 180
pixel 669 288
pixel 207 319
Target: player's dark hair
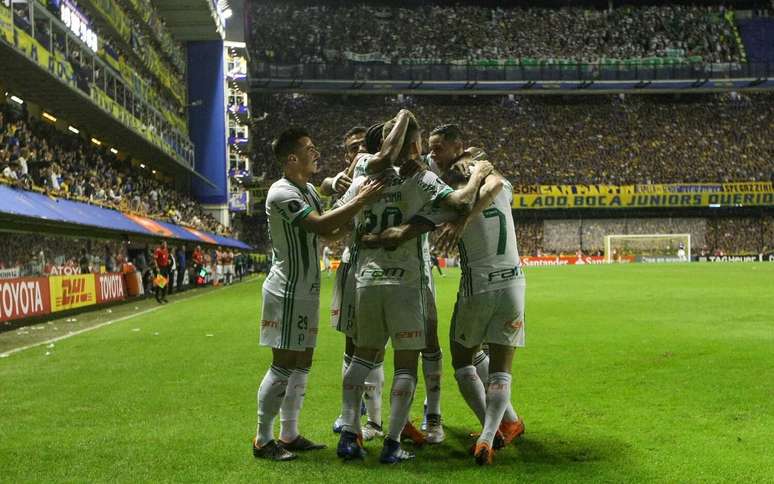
pixel 373 141
pixel 287 142
pixel 355 130
pixel 413 130
pixel 449 132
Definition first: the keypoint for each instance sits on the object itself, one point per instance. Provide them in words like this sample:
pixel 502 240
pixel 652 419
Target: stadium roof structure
pixel 191 20
pixel 27 211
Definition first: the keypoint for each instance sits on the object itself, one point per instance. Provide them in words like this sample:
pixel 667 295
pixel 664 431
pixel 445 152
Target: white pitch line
pixel 102 325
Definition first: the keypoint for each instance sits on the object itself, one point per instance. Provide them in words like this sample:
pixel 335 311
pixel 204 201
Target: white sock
pixel 401 396
pixel 352 392
pixel 291 405
pixel 472 389
pixel 345 364
pixel 498 395
pixel 481 362
pixel 432 365
pixel 270 396
pixel 373 393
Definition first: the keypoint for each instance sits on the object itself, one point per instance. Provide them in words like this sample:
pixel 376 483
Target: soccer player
pixel 392 296
pixel 291 292
pixel 489 308
pixel 343 303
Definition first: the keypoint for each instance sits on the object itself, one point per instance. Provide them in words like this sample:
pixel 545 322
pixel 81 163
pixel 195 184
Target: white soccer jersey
pixel 401 200
pixel 295 264
pixel 361 163
pixel 489 256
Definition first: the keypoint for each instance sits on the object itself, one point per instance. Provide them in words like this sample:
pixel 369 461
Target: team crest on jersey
pixel 294 206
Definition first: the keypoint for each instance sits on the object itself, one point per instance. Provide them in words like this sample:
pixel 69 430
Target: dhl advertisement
pixel 68 292
pixel 671 195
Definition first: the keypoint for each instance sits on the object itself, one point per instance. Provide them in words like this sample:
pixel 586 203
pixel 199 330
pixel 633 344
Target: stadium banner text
pixel 24 297
pixel 570 260
pixel 670 195
pixel 110 287
pixel 735 258
pixel 10 272
pixel 69 292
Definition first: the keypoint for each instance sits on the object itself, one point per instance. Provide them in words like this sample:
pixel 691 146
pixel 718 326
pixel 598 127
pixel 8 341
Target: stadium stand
pixel 559 139
pixel 36 156
pixel 758 37
pixel 426 32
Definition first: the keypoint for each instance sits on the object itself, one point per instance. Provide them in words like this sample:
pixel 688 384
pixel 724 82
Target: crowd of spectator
pixel 297 32
pixel 547 140
pixel 35 155
pixel 39 254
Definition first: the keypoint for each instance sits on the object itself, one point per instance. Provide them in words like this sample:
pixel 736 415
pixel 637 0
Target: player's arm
pixel 392 237
pixel 392 144
pixel 462 199
pixel 452 231
pixel 327 223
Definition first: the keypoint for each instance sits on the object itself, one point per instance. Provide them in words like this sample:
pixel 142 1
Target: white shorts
pixel 490 317
pixel 343 302
pixel 289 328
pixel 392 312
pixel 229 269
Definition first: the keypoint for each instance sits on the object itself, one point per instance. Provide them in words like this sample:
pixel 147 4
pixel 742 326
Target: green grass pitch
pixel 631 373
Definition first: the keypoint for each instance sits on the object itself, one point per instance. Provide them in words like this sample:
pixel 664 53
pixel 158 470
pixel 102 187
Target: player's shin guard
pixel 432 365
pixel 472 389
pixel 373 393
pixel 270 396
pixel 402 394
pixel 498 396
pixel 352 393
pixel 481 362
pixel 291 405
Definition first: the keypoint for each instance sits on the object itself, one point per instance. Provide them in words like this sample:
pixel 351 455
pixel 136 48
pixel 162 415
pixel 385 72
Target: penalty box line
pixel 107 323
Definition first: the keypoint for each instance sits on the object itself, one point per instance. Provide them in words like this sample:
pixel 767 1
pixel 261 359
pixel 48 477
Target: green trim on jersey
pixel 441 196
pixel 301 216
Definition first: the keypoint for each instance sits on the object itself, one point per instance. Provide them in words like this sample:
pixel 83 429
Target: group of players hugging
pixel 389 198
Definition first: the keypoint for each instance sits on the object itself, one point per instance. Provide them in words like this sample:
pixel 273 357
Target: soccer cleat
pixel 392 453
pixel 435 434
pixel 350 446
pixel 497 444
pixel 511 430
pixel 338 425
pixel 483 453
pixel 413 434
pixel 300 444
pixel 372 430
pixel 271 451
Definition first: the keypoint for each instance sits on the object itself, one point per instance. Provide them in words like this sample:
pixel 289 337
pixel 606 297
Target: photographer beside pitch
pixel 291 292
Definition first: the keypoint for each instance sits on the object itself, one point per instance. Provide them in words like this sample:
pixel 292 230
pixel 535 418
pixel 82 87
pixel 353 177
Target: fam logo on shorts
pixel 268 323
pixel 408 334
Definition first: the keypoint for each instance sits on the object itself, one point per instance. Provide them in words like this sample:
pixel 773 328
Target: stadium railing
pixel 521 72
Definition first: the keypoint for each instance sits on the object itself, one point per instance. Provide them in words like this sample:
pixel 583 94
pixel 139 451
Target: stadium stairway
pixel 758 36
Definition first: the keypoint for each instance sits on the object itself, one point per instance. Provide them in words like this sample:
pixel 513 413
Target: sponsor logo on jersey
pixel 503 274
pixel 388 273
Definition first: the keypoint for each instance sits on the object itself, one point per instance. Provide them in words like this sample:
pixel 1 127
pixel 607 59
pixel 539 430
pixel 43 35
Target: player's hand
pixel 482 169
pixel 450 235
pixel 387 239
pixel 371 190
pixel 341 182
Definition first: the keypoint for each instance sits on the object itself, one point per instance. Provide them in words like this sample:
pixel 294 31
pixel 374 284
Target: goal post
pixel 665 247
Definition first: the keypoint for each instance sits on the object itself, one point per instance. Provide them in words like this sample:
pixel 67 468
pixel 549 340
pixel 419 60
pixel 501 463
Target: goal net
pixel 648 247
